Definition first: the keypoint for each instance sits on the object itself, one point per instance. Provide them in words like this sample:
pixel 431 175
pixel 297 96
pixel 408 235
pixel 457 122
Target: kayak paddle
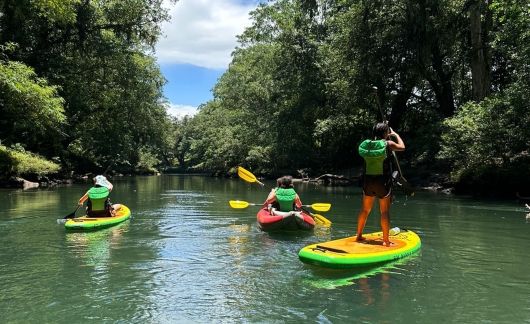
pixel 72 215
pixel 65 218
pixel 319 219
pixel 321 207
pixel 240 204
pixel 247 176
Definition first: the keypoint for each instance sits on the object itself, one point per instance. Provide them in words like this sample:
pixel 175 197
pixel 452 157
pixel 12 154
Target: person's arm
pixel 270 198
pixel 110 186
pixel 395 143
pixel 83 199
pixel 297 202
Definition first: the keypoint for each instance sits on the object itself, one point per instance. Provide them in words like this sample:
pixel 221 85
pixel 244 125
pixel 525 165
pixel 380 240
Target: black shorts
pixel 99 213
pixel 377 186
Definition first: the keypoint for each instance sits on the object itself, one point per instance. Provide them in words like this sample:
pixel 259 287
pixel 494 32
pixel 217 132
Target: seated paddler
pixel 283 200
pixel 97 198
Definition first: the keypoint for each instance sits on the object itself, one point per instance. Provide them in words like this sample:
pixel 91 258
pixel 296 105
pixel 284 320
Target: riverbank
pixel 418 180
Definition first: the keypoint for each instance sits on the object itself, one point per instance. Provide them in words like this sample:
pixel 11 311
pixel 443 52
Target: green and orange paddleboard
pixel 123 213
pixel 348 253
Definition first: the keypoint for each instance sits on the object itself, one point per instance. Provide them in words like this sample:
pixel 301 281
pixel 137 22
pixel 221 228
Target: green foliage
pixel 97 56
pixel 492 135
pixel 216 145
pixel 147 160
pixel 57 11
pixel 16 162
pixel 31 109
pixel 297 94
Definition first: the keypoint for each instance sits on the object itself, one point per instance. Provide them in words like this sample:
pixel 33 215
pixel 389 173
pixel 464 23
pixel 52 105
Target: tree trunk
pixel 440 82
pixel 399 105
pixel 480 67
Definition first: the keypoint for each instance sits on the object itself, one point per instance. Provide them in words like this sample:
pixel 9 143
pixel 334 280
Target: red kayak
pixel 268 222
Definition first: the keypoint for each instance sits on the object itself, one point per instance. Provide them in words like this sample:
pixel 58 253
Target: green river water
pixel 186 256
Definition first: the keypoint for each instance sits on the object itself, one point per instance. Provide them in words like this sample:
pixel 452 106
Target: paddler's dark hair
pixel 286 182
pixel 379 131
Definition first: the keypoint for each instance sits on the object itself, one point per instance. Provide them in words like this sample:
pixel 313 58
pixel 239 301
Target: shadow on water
pixel 327 278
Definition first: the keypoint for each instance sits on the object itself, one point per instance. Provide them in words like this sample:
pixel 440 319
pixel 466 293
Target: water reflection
pixel 361 276
pixel 27 203
pixel 95 247
pixel 238 242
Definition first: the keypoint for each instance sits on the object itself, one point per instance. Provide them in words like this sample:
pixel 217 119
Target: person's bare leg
pixel 384 207
pixel 366 207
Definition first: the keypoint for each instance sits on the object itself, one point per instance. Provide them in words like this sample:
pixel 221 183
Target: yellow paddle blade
pixel 321 207
pixel 247 175
pixel 238 204
pixel 321 220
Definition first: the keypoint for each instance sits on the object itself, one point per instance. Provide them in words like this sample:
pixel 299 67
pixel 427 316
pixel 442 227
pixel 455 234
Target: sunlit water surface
pixel 186 256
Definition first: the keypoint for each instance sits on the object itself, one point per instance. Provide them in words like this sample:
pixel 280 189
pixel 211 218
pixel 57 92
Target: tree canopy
pixel 452 77
pixel 80 82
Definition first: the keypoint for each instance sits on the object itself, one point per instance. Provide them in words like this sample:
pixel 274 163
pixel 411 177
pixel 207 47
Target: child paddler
pixel 97 197
pixel 377 176
pixel 283 200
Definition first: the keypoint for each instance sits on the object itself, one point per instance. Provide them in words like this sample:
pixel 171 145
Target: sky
pixel 195 48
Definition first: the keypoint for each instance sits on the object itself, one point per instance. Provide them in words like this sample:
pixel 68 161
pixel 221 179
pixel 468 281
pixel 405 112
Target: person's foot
pixel 359 238
pixel 388 243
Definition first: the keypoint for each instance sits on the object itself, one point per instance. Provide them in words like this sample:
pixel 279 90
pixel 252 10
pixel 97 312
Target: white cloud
pixel 202 32
pixel 181 110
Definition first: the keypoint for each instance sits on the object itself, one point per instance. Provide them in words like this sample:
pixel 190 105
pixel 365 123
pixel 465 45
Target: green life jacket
pixel 98 197
pixel 285 198
pixel 374 155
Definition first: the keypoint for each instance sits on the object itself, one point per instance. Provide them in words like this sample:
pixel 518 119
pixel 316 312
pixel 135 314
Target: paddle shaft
pixel 383 116
pixel 72 215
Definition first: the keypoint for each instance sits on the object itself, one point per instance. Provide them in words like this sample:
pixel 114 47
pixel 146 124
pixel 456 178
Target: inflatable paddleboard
pixel 91 223
pixel 348 253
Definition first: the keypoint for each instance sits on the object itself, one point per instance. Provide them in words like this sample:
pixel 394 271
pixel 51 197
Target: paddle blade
pixel 321 220
pixel 247 175
pixel 407 188
pixel 238 204
pixel 321 207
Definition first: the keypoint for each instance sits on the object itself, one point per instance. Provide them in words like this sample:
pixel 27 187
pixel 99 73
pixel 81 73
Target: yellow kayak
pixel 348 253
pixel 123 213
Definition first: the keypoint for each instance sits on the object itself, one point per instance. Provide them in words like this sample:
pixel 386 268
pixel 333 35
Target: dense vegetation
pixel 453 77
pixel 79 85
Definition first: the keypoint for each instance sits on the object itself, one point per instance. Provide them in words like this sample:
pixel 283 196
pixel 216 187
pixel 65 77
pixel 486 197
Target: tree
pixel 32 111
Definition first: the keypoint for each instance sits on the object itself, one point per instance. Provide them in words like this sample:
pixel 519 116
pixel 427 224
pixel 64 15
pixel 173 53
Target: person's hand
pixel 391 133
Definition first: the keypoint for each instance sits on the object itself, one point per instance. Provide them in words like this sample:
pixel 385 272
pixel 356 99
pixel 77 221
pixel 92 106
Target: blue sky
pixel 196 46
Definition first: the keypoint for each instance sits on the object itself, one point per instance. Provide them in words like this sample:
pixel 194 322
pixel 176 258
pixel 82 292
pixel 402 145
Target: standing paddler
pixel 377 176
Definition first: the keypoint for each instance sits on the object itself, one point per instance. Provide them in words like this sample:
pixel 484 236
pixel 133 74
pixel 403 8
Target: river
pixel 186 256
